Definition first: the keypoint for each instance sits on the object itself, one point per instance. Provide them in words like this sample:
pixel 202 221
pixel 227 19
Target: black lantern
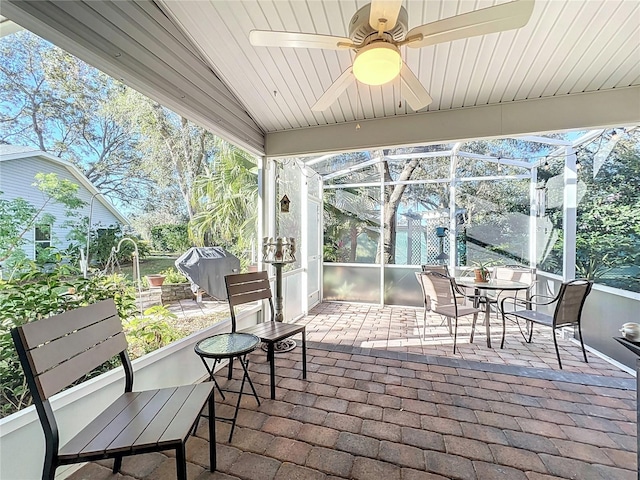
pixel 441 232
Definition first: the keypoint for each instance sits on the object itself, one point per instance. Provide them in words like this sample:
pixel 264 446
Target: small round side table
pixel 227 346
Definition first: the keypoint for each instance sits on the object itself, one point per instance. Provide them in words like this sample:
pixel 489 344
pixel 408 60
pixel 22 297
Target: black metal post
pixel 278 303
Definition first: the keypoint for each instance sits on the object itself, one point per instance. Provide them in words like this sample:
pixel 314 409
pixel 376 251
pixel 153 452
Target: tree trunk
pixel 392 198
pixel 354 244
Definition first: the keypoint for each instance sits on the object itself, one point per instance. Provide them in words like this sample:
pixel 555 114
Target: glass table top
pixel 493 284
pixel 227 345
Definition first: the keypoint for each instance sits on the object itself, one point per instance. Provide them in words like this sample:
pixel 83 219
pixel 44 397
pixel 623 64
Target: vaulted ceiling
pixel 576 64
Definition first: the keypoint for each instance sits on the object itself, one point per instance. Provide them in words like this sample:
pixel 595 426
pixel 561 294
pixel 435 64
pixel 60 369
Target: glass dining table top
pixel 225 345
pixel 493 284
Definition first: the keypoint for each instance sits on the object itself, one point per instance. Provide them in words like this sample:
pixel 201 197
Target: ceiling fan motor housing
pixel 359 28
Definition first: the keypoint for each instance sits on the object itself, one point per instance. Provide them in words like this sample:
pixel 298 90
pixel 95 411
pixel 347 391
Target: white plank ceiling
pixel 194 56
pixel 567 47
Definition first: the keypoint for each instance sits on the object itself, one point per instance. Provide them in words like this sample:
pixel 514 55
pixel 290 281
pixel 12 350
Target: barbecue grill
pixel 206 267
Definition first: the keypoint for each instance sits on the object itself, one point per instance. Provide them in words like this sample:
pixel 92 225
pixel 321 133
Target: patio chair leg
pixel 117 464
pixel 473 327
pixel 49 469
pixel 455 334
pixel 213 459
pixel 449 324
pixel 424 324
pixel 584 353
pixel 555 343
pixel 504 329
pixel 304 354
pixel 181 463
pixel 271 358
pixel 530 325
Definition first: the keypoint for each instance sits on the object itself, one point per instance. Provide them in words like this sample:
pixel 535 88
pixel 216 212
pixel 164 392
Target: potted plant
pixel 155 280
pixel 481 271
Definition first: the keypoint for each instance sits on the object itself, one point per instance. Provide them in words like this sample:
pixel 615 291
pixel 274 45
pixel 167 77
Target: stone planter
pixel 175 291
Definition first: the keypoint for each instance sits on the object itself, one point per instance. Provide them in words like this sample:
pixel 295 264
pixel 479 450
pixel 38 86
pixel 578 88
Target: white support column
pixel 270 198
pixel 262 208
pixel 453 223
pixel 381 245
pixel 303 241
pixel 321 238
pixel 534 208
pixel 569 220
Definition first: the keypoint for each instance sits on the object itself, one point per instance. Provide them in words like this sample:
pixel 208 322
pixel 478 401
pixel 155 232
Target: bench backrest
pixel 57 351
pixel 245 288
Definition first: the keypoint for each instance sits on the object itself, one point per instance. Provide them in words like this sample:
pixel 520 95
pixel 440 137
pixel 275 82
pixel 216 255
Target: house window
pixel 42 239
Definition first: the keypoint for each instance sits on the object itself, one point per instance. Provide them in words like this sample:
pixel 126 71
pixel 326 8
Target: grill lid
pixel 206 267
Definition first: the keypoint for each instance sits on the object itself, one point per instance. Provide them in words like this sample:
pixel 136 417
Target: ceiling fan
pixel 379 29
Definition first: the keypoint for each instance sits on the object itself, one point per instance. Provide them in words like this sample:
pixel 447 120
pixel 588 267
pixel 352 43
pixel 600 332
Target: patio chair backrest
pixel 516 274
pixel 57 351
pixel 246 288
pixel 443 269
pixel 571 298
pixel 438 288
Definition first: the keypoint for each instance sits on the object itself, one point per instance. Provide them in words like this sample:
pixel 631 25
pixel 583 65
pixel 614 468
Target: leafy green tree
pixel 608 216
pixel 477 200
pixel 226 197
pixel 350 213
pixel 175 150
pixel 60 105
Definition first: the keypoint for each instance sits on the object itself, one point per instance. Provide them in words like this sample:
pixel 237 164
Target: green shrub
pixel 103 240
pixel 35 294
pixel 170 238
pixel 172 275
pixel 151 331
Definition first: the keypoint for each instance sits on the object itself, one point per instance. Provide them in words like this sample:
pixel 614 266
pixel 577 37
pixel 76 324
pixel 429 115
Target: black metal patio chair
pixel 249 287
pixel 568 311
pixel 57 351
pixel 442 294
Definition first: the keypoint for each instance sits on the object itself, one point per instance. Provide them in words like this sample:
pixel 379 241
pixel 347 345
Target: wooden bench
pixel 57 351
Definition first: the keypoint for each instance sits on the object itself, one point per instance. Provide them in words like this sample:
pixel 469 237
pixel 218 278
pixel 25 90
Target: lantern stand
pixel 279 253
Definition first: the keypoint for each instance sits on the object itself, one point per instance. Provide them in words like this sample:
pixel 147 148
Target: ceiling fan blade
pixel 334 91
pixel 267 38
pixel 412 90
pixel 505 16
pixel 384 9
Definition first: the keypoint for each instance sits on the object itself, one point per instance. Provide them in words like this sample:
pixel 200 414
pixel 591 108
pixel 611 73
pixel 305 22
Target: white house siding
pixel 16 179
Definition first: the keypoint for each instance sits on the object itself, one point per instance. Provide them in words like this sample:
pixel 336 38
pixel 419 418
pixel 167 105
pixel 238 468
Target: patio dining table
pixel 481 290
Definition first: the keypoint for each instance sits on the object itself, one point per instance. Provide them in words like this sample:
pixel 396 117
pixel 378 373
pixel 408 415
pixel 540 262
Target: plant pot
pixel 481 275
pixel 155 280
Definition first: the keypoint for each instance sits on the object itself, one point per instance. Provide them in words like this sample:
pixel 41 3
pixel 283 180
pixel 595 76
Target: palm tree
pixel 226 196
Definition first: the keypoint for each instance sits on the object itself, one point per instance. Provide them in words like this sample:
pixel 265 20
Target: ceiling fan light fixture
pixel 377 63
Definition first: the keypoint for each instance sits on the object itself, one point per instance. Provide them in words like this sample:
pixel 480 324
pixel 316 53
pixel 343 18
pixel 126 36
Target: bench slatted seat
pixel 245 288
pixel 57 351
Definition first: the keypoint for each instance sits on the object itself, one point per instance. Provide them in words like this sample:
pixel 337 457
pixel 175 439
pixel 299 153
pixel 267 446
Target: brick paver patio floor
pixel 400 329
pixel 375 408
